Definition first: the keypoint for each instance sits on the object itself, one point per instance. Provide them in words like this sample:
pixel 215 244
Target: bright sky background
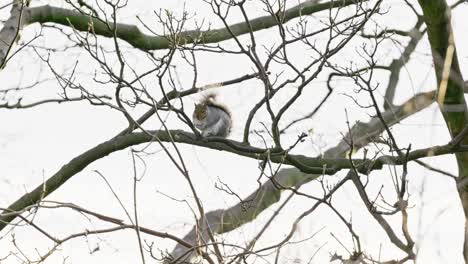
pixel 35 143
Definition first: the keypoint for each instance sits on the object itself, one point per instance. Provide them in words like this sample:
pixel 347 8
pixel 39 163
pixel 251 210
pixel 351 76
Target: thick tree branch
pixel 10 31
pixel 450 93
pixel 21 16
pixel 132 35
pixel 307 166
pixel 221 221
pixel 397 64
pixel 312 165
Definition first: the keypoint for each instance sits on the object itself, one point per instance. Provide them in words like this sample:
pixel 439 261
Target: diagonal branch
pixel 222 221
pixel 395 67
pixel 9 34
pixel 310 167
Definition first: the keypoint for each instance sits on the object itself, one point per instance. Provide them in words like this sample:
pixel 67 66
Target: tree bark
pixel 132 35
pixel 362 134
pixel 9 34
pixel 450 93
pixel 221 221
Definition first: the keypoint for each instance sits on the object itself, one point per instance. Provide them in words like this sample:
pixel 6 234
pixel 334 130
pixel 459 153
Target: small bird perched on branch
pixel 211 117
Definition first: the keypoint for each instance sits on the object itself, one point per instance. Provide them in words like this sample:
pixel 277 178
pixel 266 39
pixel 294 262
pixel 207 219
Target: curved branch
pixel 312 165
pixel 132 35
pixel 221 221
pixel 307 165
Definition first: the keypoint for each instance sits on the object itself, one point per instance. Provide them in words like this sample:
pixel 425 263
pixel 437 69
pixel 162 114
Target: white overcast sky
pixel 35 143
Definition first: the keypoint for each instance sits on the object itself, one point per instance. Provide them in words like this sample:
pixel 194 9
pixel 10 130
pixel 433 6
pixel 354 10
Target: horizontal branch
pixel 223 221
pixel 121 142
pixel 268 193
pixel 311 165
pixel 19 105
pixel 132 35
pixel 303 163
